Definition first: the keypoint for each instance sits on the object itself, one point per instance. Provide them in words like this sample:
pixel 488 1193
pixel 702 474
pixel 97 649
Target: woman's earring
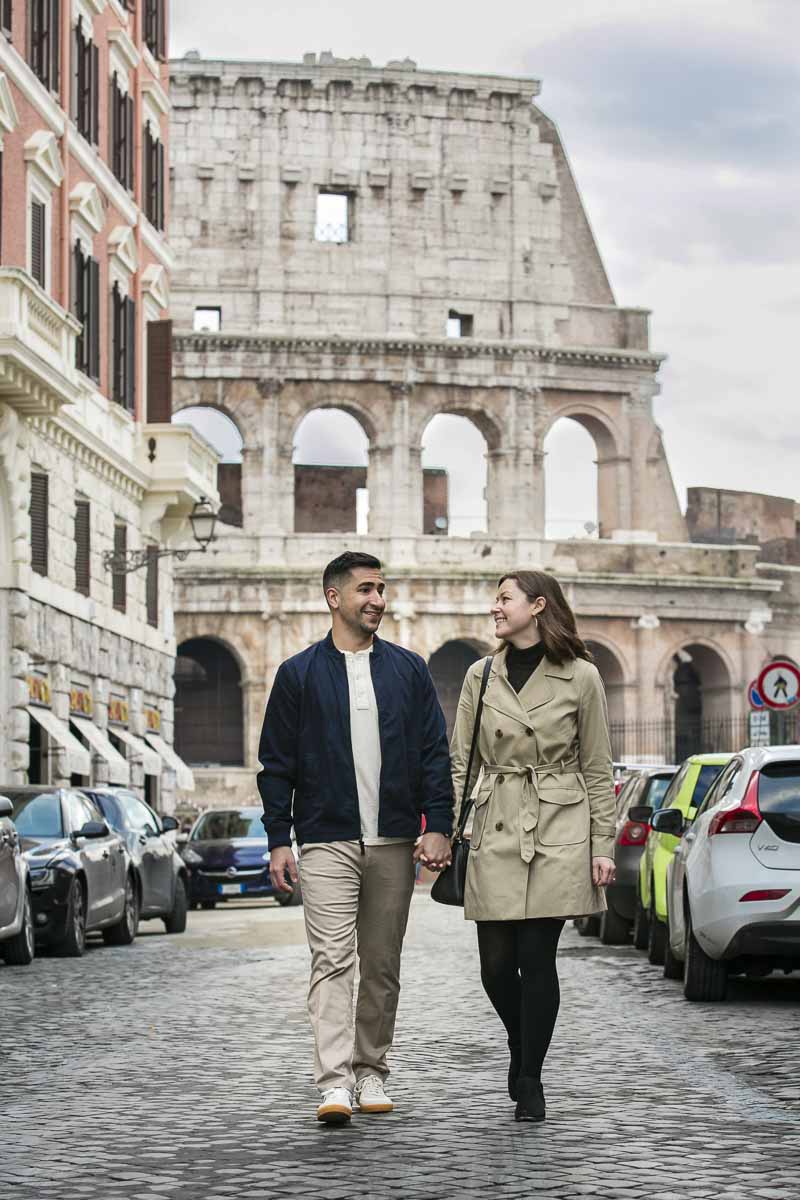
pixel 535 622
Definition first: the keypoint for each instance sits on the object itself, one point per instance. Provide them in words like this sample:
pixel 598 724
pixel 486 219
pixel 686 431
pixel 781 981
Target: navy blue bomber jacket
pixel 307 777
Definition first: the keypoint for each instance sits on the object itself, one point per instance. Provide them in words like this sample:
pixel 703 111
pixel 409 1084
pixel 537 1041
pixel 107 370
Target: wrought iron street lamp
pixel 203 520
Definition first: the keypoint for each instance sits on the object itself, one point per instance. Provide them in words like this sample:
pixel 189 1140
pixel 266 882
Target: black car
pixel 228 856
pixel 17 945
pixel 80 871
pixel 162 879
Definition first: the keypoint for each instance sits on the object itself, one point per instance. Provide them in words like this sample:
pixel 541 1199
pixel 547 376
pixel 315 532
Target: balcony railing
pixel 37 347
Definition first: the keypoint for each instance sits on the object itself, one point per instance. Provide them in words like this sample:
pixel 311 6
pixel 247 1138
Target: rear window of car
pixel 705 779
pixel 779 788
pixel 37 816
pixel 657 790
pixel 222 825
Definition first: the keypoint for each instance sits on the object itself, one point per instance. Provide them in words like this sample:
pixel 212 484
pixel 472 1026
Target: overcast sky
pixel 682 122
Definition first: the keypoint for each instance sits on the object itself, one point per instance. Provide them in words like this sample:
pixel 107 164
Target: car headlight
pixel 42 877
pixel 192 857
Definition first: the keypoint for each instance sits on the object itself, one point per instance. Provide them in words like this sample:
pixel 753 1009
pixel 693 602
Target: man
pixel 353 752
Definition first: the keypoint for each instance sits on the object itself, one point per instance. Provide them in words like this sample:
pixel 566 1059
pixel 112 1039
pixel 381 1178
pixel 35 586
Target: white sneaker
pixel 336 1107
pixel 370 1096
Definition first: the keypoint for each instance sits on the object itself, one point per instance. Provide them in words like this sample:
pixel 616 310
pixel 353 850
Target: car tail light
pixel 765 894
pixel 744 819
pixel 633 834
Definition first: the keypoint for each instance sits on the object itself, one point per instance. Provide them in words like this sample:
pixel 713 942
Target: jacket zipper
pixel 361 844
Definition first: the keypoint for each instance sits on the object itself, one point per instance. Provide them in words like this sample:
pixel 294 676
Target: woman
pixel 542 834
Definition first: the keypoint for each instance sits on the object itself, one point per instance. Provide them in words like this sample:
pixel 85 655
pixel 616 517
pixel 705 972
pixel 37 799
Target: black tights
pixel 518 972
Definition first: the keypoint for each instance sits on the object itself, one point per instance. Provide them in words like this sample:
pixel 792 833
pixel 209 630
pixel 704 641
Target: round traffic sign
pixel 779 684
pixel 754 697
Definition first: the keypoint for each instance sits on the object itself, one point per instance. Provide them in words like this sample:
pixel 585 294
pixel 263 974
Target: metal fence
pixel 670 741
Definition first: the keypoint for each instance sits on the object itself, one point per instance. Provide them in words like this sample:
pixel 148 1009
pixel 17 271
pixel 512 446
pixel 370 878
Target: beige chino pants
pixel 354 903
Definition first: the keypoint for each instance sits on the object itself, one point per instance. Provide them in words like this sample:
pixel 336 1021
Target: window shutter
pixel 114 125
pixel 94 95
pixel 39 510
pixel 5 17
pixel 129 146
pixel 116 344
pixel 119 578
pixel 151 586
pixel 94 319
pixel 38 225
pixel 160 187
pixel 130 354
pixel 159 372
pixel 82 547
pixel 79 304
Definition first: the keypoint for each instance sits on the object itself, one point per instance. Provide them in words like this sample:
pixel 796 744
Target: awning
pixel 118 769
pixel 79 760
pixel 184 777
pixel 151 760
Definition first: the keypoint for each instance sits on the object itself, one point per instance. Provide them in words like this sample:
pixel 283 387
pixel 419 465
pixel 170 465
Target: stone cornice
pixel 84 448
pixel 461 348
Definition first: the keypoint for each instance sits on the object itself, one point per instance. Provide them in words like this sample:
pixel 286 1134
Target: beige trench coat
pixel 544 796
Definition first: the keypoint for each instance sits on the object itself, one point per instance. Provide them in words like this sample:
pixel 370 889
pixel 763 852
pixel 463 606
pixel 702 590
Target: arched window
pixel 448 666
pixel 331 457
pixel 209 728
pixel 454 480
pixel 611 673
pixel 702 690
pixel 221 432
pixel 571 507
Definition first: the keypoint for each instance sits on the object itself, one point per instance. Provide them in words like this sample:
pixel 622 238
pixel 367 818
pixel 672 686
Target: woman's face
pixel 514 613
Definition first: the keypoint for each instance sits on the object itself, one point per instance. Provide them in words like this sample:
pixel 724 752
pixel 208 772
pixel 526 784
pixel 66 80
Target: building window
pixel 119 580
pixel 5 18
pixel 121 134
pixel 155 28
pixel 86 307
pixel 459 325
pixel 334 217
pixel 39 242
pixel 123 349
pixel 83 563
pixel 86 85
pixel 207 320
pixel 44 27
pixel 40 505
pixel 153 178
pixel 151 586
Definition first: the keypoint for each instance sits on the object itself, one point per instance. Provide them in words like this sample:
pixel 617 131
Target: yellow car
pixel 686 793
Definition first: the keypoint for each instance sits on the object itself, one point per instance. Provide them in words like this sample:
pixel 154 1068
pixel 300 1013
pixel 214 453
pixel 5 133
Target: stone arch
pixel 456 402
pixel 226 436
pixel 455 463
pixel 699 677
pixel 448 666
pixel 331 489
pixel 209 710
pixel 610 662
pixel 320 397
pixel 611 462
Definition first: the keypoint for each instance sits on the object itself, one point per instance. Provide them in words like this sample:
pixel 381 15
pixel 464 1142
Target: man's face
pixel 360 599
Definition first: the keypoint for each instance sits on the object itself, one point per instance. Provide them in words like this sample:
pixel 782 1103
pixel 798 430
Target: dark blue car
pixel 228 858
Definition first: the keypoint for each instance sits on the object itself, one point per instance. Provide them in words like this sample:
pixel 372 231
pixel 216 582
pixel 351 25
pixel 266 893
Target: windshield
pixel 241 823
pixel 657 791
pixel 704 781
pixel 37 816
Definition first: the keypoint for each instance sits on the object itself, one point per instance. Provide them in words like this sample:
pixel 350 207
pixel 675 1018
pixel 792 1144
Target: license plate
pixel 230 889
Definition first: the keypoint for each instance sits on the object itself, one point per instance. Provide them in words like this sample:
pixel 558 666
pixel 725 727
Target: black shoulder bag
pixel 448 888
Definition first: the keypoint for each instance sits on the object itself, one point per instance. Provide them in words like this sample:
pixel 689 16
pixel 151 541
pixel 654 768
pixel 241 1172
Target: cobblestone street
pixel 180 1067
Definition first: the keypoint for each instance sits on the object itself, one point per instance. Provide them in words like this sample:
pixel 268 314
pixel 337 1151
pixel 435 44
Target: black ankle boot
pixel 530 1102
pixel 514 1068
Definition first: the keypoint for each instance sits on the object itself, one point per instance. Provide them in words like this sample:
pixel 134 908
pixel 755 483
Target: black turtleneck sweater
pixel 520 664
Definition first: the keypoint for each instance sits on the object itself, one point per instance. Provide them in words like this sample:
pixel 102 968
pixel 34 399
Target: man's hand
pixel 281 864
pixel 603 871
pixel 433 851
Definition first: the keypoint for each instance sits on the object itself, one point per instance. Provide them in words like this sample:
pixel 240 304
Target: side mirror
pixel 640 813
pixel 168 824
pixel 181 838
pixel 6 807
pixel 668 820
pixel 92 829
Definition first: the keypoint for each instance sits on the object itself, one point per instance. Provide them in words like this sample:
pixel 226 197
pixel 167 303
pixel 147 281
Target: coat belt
pixel 529 808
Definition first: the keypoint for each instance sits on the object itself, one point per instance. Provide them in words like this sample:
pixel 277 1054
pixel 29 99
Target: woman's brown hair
pixel 557 628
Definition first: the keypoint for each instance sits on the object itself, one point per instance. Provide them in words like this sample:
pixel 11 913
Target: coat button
pixel 499 826
pixel 529 732
pixel 501 778
pixel 499 733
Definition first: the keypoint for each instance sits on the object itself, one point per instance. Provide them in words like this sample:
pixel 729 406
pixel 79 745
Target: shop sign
pixel 118 710
pixel 39 689
pixel 152 719
pixel 80 701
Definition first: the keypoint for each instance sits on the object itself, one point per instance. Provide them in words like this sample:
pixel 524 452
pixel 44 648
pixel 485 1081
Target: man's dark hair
pixel 337 570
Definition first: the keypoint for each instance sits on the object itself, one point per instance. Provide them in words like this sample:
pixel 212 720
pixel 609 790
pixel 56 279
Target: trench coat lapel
pixel 503 699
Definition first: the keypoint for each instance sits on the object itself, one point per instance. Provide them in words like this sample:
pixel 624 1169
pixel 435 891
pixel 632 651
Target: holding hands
pixel 603 871
pixel 433 851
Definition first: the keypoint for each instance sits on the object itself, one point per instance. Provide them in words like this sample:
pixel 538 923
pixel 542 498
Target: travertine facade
pixel 461 215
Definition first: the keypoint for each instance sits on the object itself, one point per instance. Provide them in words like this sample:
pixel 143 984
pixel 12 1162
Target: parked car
pixel 81 874
pixel 734 882
pixel 17 946
pixel 227 854
pixel 162 877
pixel 641 795
pixel 685 793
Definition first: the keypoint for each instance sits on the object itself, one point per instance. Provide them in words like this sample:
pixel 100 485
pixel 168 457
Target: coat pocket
pixel 563 816
pixel 479 814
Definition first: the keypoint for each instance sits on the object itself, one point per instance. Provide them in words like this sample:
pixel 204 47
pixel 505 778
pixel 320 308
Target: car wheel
pixel 73 943
pixel 704 978
pixel 124 932
pixel 208 904
pixel 175 922
pixel 641 924
pixel 290 899
pixel 614 929
pixel 19 950
pixel 673 967
pixel 656 936
pixel 588 926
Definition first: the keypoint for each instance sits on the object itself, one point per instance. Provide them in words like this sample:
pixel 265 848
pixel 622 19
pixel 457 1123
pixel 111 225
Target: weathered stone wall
pixel 720 515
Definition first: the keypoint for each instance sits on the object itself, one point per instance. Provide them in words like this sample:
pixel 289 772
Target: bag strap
pixel 466 804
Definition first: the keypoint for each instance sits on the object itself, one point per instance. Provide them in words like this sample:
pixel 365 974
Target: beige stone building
pixel 399 243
